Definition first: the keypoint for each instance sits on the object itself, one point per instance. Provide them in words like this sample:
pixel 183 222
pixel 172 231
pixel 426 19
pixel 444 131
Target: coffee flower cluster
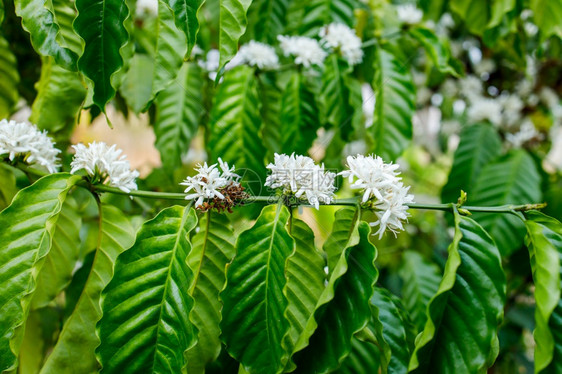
pixel 259 55
pixel 306 51
pixel 342 39
pixel 20 139
pixel 383 190
pixel 301 177
pixel 104 164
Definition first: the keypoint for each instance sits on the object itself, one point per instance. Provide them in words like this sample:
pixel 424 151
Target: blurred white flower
pixel 485 67
pixel 24 139
pixel 485 109
pixel 549 97
pixel 211 63
pixel 209 182
pixel 300 175
pixel 147 7
pixel 259 54
pixel 512 107
pixel 307 51
pixel 471 87
pixel 106 163
pixel 526 132
pixel 531 29
pixel 339 37
pixel 380 181
pixel 524 87
pixel 409 14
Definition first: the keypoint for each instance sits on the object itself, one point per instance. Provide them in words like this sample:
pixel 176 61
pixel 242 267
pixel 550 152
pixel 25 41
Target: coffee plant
pixel 346 186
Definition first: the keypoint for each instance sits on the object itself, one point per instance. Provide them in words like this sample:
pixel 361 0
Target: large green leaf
pixel 479 145
pixel 363 358
pixel 75 348
pixel 25 239
pixel 100 24
pixel 254 323
pixel 420 282
pixel 270 95
pixel 343 308
pixel 342 235
pixel 65 13
pixel 299 116
pixel 394 106
pixel 145 325
pixel 56 272
pixel 335 93
pixel 213 248
pixel 270 19
pixel 235 121
pixel 37 17
pixel 136 85
pixel 178 110
pixel 233 22
pixel 10 79
pixel 60 94
pixel 544 240
pixel 436 49
pixel 318 13
pixel 512 179
pixel 547 15
pixel 8 188
pixel 185 17
pixel 474 13
pixel 460 335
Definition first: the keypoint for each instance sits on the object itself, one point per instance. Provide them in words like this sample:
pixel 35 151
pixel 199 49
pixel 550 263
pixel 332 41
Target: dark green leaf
pixel 233 24
pixel 270 19
pixel 474 13
pixel 10 79
pixel 185 17
pixel 270 95
pixel 65 13
pixel 547 14
pixel 335 93
pixel 318 13
pixel 363 358
pixel 436 49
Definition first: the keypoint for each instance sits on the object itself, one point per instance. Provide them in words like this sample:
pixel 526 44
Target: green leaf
pixel 60 95
pixel 38 20
pixel 420 282
pixel 56 272
pixel 363 358
pixel 479 145
pixel 145 325
pixel 299 116
pixel 10 79
pixel 460 335
pixel 547 15
pixel 2 11
pixel 393 330
pixel 65 14
pixel 253 323
pixel 436 49
pixel 213 248
pixel 475 13
pixel 335 93
pixel 318 13
pixel 75 348
pixel 270 19
pixel 394 106
pixel 27 230
pixel 185 17
pixel 178 109
pixel 8 188
pixel 100 24
pixel 342 235
pixel 233 22
pixel 513 179
pixel 270 95
pixel 544 240
pixel 343 308
pixel 136 86
pixel 499 12
pixel 235 121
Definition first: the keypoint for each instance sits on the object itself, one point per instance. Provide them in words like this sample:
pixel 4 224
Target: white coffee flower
pixel 307 51
pixel 485 109
pixel 106 164
pixel 471 87
pixel 382 185
pixel 259 54
pixel 339 37
pixel 300 176
pixel 209 182
pixel 526 132
pixel 147 7
pixel 409 14
pixel 25 140
pixel 512 107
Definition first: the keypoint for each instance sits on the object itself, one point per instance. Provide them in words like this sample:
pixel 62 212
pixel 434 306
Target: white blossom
pixel 147 7
pixel 106 163
pixel 211 63
pixel 307 51
pixel 512 107
pixel 26 140
pixel 409 14
pixel 485 67
pixel 209 181
pixel 526 132
pixel 339 37
pixel 380 181
pixel 485 109
pixel 471 87
pixel 259 54
pixel 301 176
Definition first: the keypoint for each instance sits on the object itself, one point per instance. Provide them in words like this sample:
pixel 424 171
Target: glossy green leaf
pixel 75 348
pixel 343 309
pixel 474 13
pixel 185 17
pixel 547 15
pixel 145 325
pixel 341 235
pixel 254 323
pixel 59 264
pixel 213 248
pixel 270 95
pixel 479 145
pixel 10 78
pixel 513 179
pixel 27 225
pixel 235 121
pixel 178 110
pixel 65 13
pixel 363 358
pixel 8 188
pixel 436 49
pixel 318 13
pixel 299 116
pixel 233 22
pixel 100 24
pixel 60 95
pixel 544 240
pixel 394 107
pixel 38 20
pixel 335 93
pixel 270 19
pixel 460 335
pixel 420 282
